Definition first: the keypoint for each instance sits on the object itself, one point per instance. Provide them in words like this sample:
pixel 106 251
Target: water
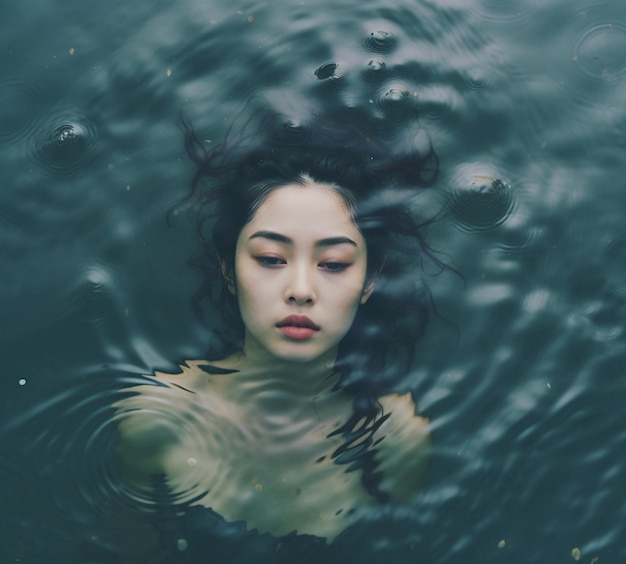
pixel 524 103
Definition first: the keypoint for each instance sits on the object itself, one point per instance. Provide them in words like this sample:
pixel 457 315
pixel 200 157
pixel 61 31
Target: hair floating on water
pixel 378 182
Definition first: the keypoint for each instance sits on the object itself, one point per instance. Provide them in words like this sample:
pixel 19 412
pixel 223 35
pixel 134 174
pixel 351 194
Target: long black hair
pixel 378 183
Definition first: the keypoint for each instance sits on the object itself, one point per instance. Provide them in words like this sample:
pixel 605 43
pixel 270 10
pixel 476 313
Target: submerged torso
pixel 256 448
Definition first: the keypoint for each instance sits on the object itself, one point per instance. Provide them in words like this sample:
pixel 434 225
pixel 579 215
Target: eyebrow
pixel 327 242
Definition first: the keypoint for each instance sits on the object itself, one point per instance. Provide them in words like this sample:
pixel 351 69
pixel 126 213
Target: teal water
pixel 522 375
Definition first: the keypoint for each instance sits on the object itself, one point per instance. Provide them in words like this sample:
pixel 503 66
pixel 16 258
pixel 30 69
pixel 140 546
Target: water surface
pixel 525 105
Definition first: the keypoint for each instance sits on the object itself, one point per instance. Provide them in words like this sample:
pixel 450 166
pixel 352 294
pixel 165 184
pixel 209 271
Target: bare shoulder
pixel 194 375
pixel 402 447
pixel 149 418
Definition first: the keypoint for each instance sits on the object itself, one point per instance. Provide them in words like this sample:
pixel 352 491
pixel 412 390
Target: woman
pixel 292 427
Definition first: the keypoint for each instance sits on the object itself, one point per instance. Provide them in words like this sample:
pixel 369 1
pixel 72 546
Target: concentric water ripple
pixel 477 79
pixel 380 41
pixel 375 71
pixel 77 431
pixel 396 106
pixel 71 431
pixel 601 51
pixel 64 144
pixel 167 416
pixel 294 134
pixel 19 106
pixel 521 240
pixel 589 57
pixel 91 291
pixel 479 200
pixel 507 10
pixel 89 450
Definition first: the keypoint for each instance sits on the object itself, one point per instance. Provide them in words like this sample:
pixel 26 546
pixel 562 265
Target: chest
pixel 276 473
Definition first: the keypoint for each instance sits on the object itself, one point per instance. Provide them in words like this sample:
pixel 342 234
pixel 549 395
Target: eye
pixel 270 261
pixel 334 266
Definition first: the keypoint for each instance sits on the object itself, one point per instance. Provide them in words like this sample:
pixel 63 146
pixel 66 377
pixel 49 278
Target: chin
pixel 302 357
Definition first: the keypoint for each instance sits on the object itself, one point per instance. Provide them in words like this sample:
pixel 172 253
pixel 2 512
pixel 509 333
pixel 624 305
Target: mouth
pixel 297 327
pixel 298 321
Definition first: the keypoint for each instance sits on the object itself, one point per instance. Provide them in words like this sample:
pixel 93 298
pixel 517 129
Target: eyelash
pixel 331 267
pixel 335 266
pixel 270 261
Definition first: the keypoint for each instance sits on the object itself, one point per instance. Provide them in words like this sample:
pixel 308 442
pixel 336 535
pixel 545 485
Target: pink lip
pixel 297 327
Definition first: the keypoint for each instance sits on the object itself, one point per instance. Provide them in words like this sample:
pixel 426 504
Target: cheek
pixel 249 301
pixel 345 309
pixel 256 296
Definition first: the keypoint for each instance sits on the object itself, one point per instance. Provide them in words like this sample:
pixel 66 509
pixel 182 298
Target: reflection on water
pixel 615 256
pixel 523 102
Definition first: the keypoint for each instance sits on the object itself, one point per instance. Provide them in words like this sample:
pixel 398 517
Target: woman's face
pixel 300 274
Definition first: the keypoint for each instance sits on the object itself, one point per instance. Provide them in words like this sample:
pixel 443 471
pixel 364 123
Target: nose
pixel 300 287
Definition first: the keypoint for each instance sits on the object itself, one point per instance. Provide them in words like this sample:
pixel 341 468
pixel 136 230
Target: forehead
pixel 314 209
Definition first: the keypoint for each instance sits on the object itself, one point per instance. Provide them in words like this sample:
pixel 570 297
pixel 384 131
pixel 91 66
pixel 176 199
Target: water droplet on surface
pixel 375 72
pixel 397 95
pixel 376 65
pixel 294 134
pixel 397 105
pixel 478 201
pixel 326 71
pixel 64 144
pixel 476 80
pixel 91 291
pixel 380 41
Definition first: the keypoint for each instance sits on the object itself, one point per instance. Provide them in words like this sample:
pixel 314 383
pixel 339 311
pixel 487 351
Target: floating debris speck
pixel 181 544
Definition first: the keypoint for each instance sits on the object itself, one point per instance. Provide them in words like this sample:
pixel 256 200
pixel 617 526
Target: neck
pixel 301 378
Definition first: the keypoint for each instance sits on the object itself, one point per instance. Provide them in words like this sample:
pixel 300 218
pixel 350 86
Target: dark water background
pixel 526 400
